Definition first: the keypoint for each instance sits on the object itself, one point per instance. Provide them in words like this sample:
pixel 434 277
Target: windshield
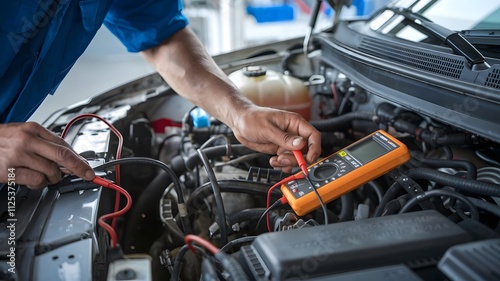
pixel 455 15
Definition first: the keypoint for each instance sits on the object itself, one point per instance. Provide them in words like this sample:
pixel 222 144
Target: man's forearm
pixel 186 66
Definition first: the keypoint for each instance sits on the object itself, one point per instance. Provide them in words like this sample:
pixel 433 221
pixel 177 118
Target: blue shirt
pixel 40 40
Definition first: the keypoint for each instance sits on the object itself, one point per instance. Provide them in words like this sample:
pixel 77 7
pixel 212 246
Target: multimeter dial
pixel 323 172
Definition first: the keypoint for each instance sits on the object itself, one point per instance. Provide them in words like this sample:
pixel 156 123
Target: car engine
pixel 204 207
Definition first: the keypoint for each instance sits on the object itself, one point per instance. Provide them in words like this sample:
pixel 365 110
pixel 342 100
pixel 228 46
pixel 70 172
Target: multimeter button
pixel 294 190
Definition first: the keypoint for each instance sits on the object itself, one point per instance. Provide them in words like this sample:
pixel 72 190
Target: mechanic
pixel 40 40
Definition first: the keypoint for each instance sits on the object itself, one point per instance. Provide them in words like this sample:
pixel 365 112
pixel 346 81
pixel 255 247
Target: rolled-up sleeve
pixel 142 24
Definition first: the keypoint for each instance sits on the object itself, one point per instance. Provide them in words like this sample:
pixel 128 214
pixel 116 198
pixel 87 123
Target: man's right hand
pixel 36 155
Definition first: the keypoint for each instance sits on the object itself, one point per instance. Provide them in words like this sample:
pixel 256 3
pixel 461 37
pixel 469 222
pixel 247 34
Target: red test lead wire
pixel 190 238
pixel 300 160
pixel 108 184
pixel 118 149
pixel 101 181
pixel 303 166
pixel 283 199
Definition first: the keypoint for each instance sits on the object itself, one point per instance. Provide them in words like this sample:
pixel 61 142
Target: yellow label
pixel 342 153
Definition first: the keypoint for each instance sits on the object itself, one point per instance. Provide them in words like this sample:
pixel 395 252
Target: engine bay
pixel 433 214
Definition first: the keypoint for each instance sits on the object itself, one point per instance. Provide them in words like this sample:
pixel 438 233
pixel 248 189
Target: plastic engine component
pixel 136 269
pixel 473 261
pixel 398 272
pixel 340 247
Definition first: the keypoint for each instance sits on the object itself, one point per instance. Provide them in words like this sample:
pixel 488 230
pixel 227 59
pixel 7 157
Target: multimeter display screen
pixel 367 150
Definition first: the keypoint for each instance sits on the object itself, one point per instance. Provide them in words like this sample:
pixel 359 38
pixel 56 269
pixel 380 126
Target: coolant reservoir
pixel 272 89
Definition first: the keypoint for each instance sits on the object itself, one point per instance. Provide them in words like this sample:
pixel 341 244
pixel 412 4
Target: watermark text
pixel 11 220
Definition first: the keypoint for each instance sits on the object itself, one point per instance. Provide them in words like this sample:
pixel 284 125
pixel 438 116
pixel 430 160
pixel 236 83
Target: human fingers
pixel 297 134
pixel 64 157
pixel 39 164
pixel 31 178
pixel 284 162
pixel 23 142
pixel 313 147
pixel 63 154
pixel 269 128
pixel 15 155
pixel 311 139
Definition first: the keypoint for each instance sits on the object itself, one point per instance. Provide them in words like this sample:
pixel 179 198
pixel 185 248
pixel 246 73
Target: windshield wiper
pixel 482 36
pixel 453 39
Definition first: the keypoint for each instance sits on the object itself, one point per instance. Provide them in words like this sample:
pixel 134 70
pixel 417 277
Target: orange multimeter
pixel 343 171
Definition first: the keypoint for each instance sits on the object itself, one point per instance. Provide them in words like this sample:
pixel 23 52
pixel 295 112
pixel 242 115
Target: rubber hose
pixel 255 188
pixel 245 215
pixel 440 192
pixel 341 122
pixel 237 241
pixel 448 152
pixel 377 189
pixel 149 161
pixel 144 205
pixel 221 213
pixel 208 271
pixel 176 272
pixel 394 189
pixel 393 206
pixel 347 211
pixel 474 186
pixel 180 165
pixel 231 266
pixel 463 164
pixel 489 207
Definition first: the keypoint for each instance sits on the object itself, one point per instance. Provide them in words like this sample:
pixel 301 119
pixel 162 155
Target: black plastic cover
pixel 398 272
pixel 478 261
pixel 310 252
